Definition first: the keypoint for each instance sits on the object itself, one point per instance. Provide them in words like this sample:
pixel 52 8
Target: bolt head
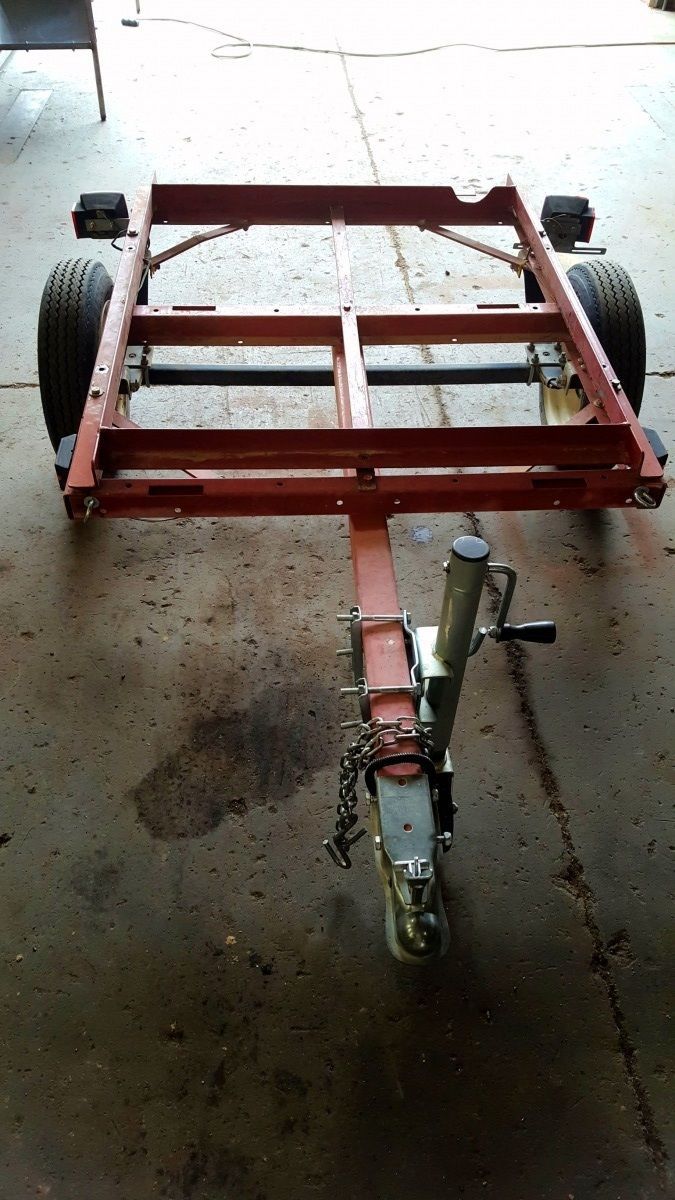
pixel 95 391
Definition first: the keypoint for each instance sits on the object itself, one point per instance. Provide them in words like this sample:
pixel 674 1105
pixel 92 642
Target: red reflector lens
pixel 587 226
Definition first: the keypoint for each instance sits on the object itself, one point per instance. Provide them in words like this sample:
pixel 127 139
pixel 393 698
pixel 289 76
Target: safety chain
pixel 373 736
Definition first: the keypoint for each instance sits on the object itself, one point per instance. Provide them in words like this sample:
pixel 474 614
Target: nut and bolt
pixel 95 391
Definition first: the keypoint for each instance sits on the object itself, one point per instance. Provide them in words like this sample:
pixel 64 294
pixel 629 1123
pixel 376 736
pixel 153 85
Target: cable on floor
pixel 241 47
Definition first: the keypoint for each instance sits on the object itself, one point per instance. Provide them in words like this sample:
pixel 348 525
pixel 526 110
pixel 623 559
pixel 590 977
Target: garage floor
pixel 195 1003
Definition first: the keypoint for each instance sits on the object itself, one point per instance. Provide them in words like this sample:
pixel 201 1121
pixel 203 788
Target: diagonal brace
pixel 517 263
pixel 188 244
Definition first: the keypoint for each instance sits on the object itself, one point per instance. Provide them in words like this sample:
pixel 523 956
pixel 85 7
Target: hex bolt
pixel 95 391
pixel 132 233
pixel 378 843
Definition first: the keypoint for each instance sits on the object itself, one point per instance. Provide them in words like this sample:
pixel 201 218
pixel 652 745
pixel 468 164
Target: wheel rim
pixel 558 405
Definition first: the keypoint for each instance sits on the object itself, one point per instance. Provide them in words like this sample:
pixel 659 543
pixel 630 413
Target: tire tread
pixel 611 303
pixel 68 336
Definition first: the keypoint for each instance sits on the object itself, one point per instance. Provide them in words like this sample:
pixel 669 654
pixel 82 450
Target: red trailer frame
pixel 477 469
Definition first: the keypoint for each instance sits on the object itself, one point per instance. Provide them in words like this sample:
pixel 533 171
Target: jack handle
pixel 531 631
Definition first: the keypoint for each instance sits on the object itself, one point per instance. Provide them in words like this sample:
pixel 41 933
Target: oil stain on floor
pixel 236 760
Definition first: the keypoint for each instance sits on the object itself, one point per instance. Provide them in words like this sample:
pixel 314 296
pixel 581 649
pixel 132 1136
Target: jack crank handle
pixel 531 631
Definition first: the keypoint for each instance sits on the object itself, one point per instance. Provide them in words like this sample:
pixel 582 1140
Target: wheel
pixel 73 304
pixel 611 304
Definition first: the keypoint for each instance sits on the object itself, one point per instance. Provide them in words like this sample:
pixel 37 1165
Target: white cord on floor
pixel 242 47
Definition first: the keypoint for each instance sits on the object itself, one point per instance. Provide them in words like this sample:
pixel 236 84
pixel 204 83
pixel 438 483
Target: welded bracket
pixel 135 372
pixel 433 667
pixel 547 364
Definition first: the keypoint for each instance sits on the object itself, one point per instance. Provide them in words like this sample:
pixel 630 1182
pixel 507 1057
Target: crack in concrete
pixel 662 374
pixel 573 875
pixel 574 878
pixel 400 261
pixel 16 386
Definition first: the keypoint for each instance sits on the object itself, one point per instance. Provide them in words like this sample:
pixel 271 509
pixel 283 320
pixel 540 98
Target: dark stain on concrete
pixel 289 1084
pixel 236 760
pixel 205 1169
pixel 96 881
pixel 254 960
pixel 217 1084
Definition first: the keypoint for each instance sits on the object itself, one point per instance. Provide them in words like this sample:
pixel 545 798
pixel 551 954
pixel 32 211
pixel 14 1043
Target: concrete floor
pixel 195 1004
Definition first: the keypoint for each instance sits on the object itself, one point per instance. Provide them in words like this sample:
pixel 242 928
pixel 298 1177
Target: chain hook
pixel 338 851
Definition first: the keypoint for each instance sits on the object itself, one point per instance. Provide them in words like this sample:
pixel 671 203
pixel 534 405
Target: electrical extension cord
pixel 240 47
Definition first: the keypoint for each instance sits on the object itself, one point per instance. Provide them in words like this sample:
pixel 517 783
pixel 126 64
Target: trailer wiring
pixel 241 47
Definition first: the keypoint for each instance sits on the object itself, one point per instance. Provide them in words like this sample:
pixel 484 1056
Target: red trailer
pixel 583 340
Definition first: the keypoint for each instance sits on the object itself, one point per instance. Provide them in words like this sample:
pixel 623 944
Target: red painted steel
pixel 599 380
pixel 384 651
pixel 132 448
pixel 291 204
pixel 485 474
pixel 337 496
pixel 108 442
pixel 105 383
pixel 458 324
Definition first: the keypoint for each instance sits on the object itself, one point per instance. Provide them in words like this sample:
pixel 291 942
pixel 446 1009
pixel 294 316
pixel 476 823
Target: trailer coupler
pixel 407 843
pixel 411 815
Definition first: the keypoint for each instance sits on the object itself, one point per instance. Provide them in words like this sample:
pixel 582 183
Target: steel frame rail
pixel 599 459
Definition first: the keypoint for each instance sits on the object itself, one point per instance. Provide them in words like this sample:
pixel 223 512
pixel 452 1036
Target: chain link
pixel 372 737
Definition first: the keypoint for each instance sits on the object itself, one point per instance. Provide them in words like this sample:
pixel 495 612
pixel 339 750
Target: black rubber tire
pixel 69 328
pixel 611 304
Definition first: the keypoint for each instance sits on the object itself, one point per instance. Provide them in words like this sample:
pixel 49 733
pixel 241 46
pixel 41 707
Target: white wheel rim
pixel 559 405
